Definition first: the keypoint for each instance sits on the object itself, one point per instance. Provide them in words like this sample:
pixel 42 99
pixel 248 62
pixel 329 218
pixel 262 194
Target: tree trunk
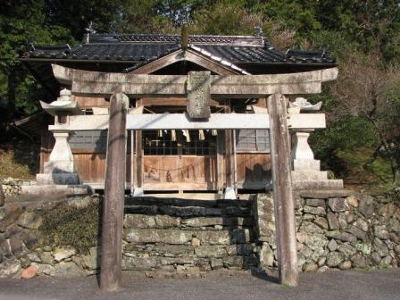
pixel 11 92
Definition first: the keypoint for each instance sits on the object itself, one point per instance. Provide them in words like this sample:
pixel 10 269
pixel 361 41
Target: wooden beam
pixel 282 191
pixel 160 63
pixel 208 64
pixel 171 101
pixel 89 102
pixel 181 55
pixel 180 121
pixel 113 206
pixel 239 86
pixel 62 74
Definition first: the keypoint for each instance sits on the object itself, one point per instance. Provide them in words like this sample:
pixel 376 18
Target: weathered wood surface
pixel 114 192
pixel 173 170
pixel 241 86
pixel 170 101
pixel 230 166
pixel 181 55
pixel 181 121
pixel 138 159
pixel 253 170
pixel 132 160
pixel 89 102
pixel 282 191
pixel 229 159
pixel 220 161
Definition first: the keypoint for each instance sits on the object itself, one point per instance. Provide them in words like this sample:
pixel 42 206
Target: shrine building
pixel 197 115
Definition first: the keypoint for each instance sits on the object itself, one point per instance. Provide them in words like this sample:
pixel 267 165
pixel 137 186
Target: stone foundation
pixel 336 230
pixel 176 237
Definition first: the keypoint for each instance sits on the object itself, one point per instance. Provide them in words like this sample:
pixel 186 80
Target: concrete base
pixel 60 166
pixel 230 193
pixel 306 164
pixel 311 175
pixel 138 192
pixel 328 184
pixel 39 190
pixel 58 178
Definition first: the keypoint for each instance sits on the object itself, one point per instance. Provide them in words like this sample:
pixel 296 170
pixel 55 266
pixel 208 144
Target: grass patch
pixel 358 169
pixel 70 226
pixel 10 168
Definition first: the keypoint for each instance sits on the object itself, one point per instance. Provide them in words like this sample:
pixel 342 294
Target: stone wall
pixel 175 237
pixel 21 249
pixel 188 236
pixel 337 229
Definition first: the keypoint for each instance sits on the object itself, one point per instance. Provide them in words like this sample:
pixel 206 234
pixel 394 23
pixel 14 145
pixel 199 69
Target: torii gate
pixel 119 85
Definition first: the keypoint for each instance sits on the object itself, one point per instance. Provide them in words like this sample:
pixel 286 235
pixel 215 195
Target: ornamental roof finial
pixel 89 30
pixel 185 36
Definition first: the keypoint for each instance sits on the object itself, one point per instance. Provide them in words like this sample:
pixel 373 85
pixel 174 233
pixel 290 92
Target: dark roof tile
pixel 176 39
pixel 143 48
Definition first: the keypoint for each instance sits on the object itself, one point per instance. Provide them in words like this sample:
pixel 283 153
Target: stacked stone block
pixel 171 237
pixel 336 229
pixel 188 236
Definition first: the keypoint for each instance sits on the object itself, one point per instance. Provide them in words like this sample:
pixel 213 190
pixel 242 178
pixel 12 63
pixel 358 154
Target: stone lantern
pixel 306 170
pixel 60 168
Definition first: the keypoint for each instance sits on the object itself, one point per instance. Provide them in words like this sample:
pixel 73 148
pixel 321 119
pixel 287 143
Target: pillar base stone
pixel 327 184
pixel 230 193
pixel 58 178
pixel 138 192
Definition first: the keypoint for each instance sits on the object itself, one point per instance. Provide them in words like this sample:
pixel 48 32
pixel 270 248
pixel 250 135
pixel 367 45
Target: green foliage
pixel 299 15
pixel 71 226
pixel 346 133
pixel 23 22
pixel 336 145
pixel 226 17
pixel 360 169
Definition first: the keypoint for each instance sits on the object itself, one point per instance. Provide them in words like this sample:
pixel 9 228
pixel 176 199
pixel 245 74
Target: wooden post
pixel 139 163
pixel 138 172
pixel 132 157
pixel 114 191
pixel 282 194
pixel 220 161
pixel 230 192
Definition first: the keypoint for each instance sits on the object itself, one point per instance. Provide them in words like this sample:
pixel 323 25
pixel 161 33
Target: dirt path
pixel 331 285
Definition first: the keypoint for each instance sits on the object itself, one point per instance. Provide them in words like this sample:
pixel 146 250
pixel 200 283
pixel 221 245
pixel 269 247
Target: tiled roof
pixel 110 51
pixel 143 48
pixel 176 39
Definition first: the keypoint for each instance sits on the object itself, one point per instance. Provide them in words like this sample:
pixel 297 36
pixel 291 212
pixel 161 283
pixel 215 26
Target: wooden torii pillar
pixel 285 227
pixel 114 195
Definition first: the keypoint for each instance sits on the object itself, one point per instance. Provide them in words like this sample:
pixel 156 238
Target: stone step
pixel 204 251
pixel 165 221
pixel 181 236
pixel 310 164
pixel 223 221
pixel 331 184
pixel 303 175
pixel 148 200
pixel 170 263
pixel 185 195
pixel 188 211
